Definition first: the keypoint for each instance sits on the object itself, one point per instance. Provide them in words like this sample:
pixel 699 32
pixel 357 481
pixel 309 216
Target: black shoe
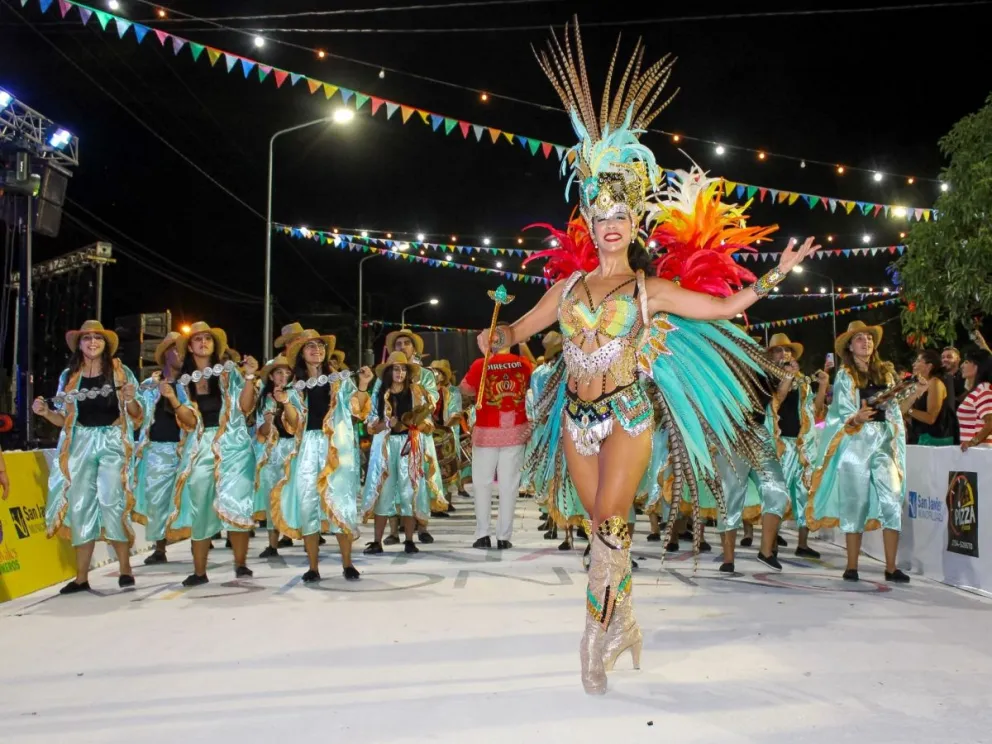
pixel 897 577
pixel 126 580
pixel 321 540
pixel 464 494
pixel 440 514
pixel 851 574
pixel 551 534
pixel 194 580
pixel 311 576
pixel 251 533
pixel 687 535
pixel 242 572
pixel 503 545
pixel 425 537
pixel 747 542
pixel 227 543
pixel 672 547
pixel 218 536
pixel 483 543
pixel 285 542
pixel 580 533
pixel 634 565
pixel 269 552
pixel 451 508
pixel 586 560
pixel 390 540
pixel 769 560
pixel 565 545
pixel 780 541
pixel 374 548
pixel 804 552
pixel 156 558
pixel 351 573
pixel 705 547
pixel 654 537
pixel 544 524
pixel 727 568
pixel 72 587
pixel 410 547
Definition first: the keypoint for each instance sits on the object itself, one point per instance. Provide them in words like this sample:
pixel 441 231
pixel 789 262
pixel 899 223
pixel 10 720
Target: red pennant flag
pixel 281 76
pixel 162 36
pixel 762 191
pixel 64 7
pixel 464 126
pixel 546 147
pixel 376 104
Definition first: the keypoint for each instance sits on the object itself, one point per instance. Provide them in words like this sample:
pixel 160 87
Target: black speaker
pixel 51 197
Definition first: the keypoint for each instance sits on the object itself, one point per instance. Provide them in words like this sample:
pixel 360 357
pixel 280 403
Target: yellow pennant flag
pixel 314 85
pixel 728 186
pixel 793 198
pixel 494 133
pixel 330 90
pixel 423 115
pixel 509 137
pixel 849 206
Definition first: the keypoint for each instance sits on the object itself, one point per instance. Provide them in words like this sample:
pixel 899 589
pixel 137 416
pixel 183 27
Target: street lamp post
pixel 341 116
pixel 431 301
pixel 361 349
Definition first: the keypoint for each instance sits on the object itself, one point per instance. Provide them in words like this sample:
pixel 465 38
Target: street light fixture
pixel 267 323
pixel 431 301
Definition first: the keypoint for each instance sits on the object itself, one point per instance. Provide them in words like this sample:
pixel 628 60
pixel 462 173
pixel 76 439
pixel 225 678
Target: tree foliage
pixel 946 272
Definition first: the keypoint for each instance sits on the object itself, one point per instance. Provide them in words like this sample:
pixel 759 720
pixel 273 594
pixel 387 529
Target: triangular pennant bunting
pixel 360 100
pixel 294 78
pixel 140 32
pixel 195 49
pixel 177 44
pixel 346 94
pixel 247 66
pixel 230 60
pixel 122 26
pixel 329 90
pixel 85 14
pixel 376 105
pixel 313 85
pixel 104 19
pixel 213 55
pixel 406 112
pixel 263 72
pixel 449 124
pixel 64 7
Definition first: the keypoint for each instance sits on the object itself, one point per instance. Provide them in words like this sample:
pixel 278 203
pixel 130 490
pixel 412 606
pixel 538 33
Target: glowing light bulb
pixel 720 149
pixel 823 290
pixel 389 235
pixel 902 235
pixel 761 156
pixel 382 74
pixel 899 212
pixel 486 241
pixel 910 180
pixel 259 42
pixel 520 241
pixel 797 270
pixel 343 115
pixel 484 97
pixel 805 289
pixel 321 54
pixel 878 177
pixel 499 264
pixel 161 13
pixel 420 237
pixel 866 238
pixel 840 170
pixel 454 238
pixel 676 138
pixel 185 329
pixel 802 163
pixel 944 187
pixel 854 290
pixel 114 5
pixel 830 238
pixel 365 233
pixel 449 257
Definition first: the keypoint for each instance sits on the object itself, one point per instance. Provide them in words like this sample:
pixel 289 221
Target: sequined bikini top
pixel 614 327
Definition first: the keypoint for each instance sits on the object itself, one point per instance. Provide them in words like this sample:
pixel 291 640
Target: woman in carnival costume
pixel 403 478
pixel 619 338
pixel 274 446
pixel 318 490
pixel 89 487
pixel 449 415
pixel 156 458
pixel 859 484
pixel 215 486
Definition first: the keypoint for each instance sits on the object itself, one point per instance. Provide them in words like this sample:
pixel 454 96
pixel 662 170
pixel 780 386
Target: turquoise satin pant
pixel 793 470
pixel 269 474
pixel 204 510
pixel 868 484
pixel 388 490
pixel 95 501
pixel 155 486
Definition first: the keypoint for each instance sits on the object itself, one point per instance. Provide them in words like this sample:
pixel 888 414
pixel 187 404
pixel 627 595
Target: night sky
pixel 870 90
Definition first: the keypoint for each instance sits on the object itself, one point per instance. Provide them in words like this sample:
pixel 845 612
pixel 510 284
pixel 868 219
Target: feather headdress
pixel 698 234
pixel 613 169
pixel 571 250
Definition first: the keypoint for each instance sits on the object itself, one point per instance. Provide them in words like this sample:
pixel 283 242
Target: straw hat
pixel 337 356
pixel 552 343
pixel 288 335
pixel 167 343
pixel 398 357
pixel 418 342
pixel 280 362
pixel 234 355
pixel 219 334
pixel 781 341
pixel 92 326
pixel 853 329
pixel 297 344
pixel 444 367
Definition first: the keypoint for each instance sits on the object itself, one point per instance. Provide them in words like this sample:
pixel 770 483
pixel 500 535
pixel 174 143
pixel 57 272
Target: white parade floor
pixel 460 645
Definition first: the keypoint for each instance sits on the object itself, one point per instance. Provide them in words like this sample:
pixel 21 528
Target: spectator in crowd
pixel 950 358
pixel 930 414
pixel 974 414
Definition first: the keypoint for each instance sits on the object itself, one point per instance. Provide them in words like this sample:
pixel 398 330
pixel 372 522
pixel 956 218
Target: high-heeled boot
pixel 624 634
pixel 609 579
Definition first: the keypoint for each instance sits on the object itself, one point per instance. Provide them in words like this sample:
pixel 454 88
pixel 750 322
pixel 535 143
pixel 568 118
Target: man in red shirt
pixel 498 440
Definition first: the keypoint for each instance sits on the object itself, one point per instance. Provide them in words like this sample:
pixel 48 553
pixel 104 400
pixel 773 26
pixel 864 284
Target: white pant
pixel 505 463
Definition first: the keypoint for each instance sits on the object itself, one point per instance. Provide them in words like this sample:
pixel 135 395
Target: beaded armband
pixel 769 281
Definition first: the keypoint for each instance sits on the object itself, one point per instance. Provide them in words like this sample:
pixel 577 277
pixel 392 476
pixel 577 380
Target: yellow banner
pixel 29 561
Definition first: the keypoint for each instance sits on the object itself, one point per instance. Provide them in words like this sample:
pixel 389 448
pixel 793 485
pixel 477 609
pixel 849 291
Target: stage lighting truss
pixel 23 128
pixel 92 255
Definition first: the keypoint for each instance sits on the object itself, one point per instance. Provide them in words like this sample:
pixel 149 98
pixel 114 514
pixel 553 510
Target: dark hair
pixel 403 397
pixel 106 362
pixel 300 371
pixel 189 367
pixel 932 357
pixel 981 359
pixel 270 387
pixel 638 256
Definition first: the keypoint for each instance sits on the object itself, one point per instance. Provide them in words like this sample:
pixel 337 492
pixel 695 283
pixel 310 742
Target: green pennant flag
pixel 449 124
pixel 813 201
pixel 263 72
pixel 534 145
pixel 751 191
pixel 360 100
pixel 196 49
pixel 104 18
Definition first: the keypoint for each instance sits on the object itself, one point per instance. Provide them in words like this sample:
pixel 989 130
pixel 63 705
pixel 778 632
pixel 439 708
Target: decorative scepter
pixel 500 297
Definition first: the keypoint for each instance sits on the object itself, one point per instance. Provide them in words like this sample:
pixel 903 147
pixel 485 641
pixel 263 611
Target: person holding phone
pixel 859 483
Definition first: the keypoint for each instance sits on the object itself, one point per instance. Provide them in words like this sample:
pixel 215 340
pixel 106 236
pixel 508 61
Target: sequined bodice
pixel 601 341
